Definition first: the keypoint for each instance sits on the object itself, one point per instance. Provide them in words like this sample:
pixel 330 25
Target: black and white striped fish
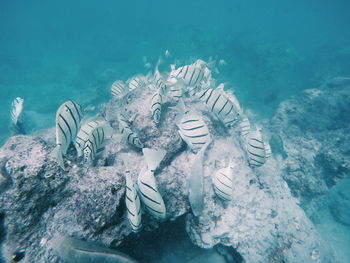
pixel 147 185
pixel 85 132
pixel 175 88
pixel 267 149
pixel 159 81
pixel 192 128
pixel 223 183
pixel 96 141
pixel 256 149
pixel 127 133
pixel 16 110
pixel 137 82
pixel 133 204
pixel 68 118
pixel 119 89
pixel 219 103
pixel 156 105
pixel 191 75
pixel 244 124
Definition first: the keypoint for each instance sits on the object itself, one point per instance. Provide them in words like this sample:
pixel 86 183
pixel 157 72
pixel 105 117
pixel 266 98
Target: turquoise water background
pixel 52 51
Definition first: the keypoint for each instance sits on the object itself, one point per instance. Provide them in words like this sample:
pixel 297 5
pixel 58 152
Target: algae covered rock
pixel 314 128
pixel 262 223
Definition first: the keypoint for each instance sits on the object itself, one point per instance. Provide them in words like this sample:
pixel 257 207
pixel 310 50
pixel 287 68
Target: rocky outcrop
pixel 340 203
pixel 263 223
pixel 314 128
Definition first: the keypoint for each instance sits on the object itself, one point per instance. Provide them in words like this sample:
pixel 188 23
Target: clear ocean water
pixel 52 51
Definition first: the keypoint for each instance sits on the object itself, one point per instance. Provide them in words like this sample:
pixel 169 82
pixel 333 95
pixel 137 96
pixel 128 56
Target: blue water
pixel 52 51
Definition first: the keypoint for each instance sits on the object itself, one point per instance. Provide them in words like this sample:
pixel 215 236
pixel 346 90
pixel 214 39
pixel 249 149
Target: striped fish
pixel 194 131
pixel 127 133
pixel 133 204
pixel 192 76
pixel 256 149
pixel 223 183
pixel 244 124
pixel 192 128
pixel 196 182
pixel 175 88
pixel 68 118
pixel 16 110
pixel 147 185
pixel 267 149
pixel 156 105
pixel 95 142
pixel 118 89
pixel 158 81
pixel 220 105
pixel 85 132
pixel 137 82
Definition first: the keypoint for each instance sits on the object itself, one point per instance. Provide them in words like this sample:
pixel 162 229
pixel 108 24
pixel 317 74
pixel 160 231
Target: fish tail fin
pixel 180 107
pixel 57 154
pixel 153 157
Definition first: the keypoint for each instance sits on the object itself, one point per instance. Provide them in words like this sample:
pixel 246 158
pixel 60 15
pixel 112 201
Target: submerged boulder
pixel 313 127
pixel 263 222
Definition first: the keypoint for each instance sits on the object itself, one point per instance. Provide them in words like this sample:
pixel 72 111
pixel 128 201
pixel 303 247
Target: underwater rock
pixel 340 203
pixel 263 222
pixel 314 128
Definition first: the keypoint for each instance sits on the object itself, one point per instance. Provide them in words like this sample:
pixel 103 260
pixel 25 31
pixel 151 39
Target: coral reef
pixel 313 130
pixel 263 222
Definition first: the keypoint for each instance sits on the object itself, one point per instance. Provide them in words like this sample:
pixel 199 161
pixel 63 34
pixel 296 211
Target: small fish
pixel 156 106
pixel 85 132
pixel 16 110
pixel 267 150
pixel 192 128
pixel 118 89
pixel 147 185
pixel 219 103
pixel 244 124
pixel 72 250
pixel 96 141
pixel 192 75
pixel 137 82
pixel 167 54
pixel 158 79
pixel 127 133
pixel 222 62
pixel 223 183
pixel 133 204
pixel 196 182
pixel 256 148
pixel 68 118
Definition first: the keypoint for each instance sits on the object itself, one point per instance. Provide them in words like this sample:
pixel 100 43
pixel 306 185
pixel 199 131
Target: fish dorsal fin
pixel 172 67
pixel 153 157
pixel 220 87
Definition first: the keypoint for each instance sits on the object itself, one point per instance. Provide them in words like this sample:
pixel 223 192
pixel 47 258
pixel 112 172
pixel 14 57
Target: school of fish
pixel 90 136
